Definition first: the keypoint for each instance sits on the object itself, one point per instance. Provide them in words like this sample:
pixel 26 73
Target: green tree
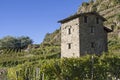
pixel 14 43
pixel 7 42
pixel 24 42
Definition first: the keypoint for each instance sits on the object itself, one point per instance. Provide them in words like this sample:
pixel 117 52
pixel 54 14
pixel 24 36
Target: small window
pixel 69 31
pixel 92 45
pixel 85 19
pixel 97 20
pixel 92 29
pixel 69 45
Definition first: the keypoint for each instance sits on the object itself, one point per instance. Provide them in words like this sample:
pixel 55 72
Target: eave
pixel 78 15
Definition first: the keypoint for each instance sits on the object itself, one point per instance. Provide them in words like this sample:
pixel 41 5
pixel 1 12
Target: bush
pixel 84 68
pixel 85 4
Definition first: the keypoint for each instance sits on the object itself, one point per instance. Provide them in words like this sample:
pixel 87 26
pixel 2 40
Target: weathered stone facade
pixel 72 38
pixel 83 34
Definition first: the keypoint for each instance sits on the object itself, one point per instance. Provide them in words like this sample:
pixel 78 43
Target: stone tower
pixel 82 34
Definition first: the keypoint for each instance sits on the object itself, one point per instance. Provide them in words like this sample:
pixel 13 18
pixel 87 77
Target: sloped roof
pixel 81 14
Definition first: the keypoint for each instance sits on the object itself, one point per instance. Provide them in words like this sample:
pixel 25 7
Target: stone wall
pixel 81 39
pixel 72 38
pixel 99 37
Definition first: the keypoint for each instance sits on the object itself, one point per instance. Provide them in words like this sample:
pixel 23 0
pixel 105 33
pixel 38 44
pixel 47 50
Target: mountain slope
pixel 110 9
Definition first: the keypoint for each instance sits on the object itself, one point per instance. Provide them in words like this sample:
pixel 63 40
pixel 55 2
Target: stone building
pixel 82 34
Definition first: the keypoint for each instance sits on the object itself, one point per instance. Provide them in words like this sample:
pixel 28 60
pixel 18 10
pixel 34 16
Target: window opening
pixel 69 45
pixel 85 19
pixel 69 31
pixel 97 20
pixel 92 45
pixel 92 29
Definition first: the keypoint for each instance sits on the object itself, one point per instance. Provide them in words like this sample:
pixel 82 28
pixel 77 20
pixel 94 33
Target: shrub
pixel 85 4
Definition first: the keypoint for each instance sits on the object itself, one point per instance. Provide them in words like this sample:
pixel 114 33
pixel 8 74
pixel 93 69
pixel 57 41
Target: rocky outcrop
pixel 53 38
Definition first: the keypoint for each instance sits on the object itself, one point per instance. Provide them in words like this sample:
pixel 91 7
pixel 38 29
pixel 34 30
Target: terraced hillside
pixel 110 9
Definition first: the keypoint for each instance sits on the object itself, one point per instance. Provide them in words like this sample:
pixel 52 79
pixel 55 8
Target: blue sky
pixel 34 18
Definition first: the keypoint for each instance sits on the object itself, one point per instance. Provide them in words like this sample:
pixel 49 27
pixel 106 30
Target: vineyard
pixel 89 67
pixel 44 63
pixel 20 59
pixel 15 61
